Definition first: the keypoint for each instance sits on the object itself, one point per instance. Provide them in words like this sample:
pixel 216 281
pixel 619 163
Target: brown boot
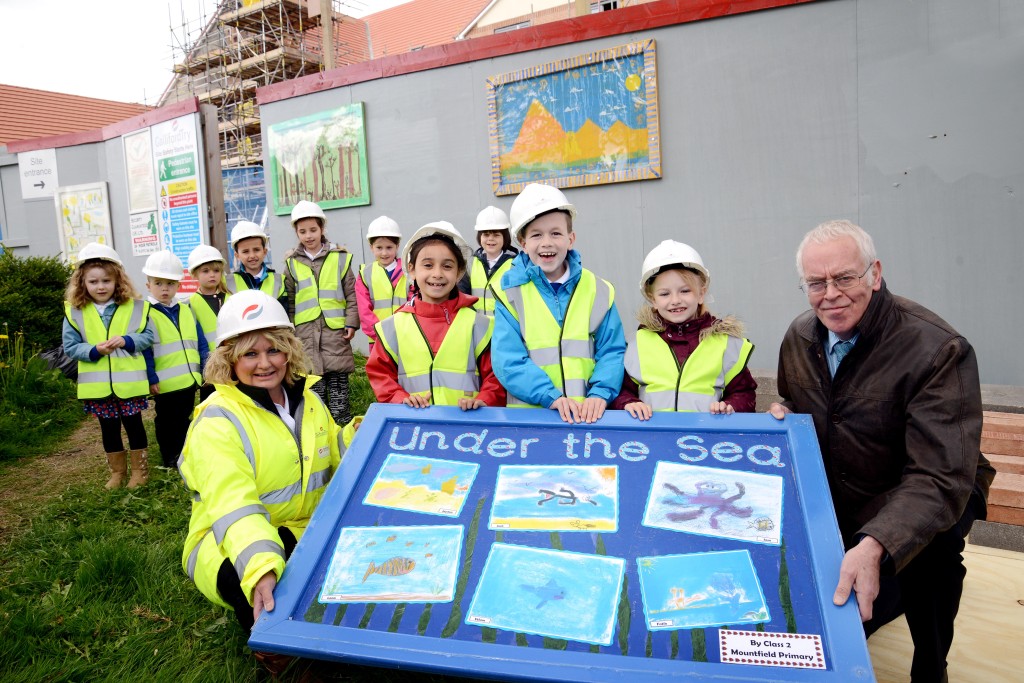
pixel 140 468
pixel 118 464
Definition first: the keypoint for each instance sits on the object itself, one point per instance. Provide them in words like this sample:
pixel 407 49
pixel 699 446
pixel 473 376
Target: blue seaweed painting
pixel 552 593
pixel 556 498
pixel 700 590
pixel 711 501
pixel 394 564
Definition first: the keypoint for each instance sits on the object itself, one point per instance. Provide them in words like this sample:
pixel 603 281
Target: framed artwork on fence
pixel 588 120
pixel 83 216
pixel 320 157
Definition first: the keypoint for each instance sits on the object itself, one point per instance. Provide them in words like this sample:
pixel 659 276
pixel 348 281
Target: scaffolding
pixel 239 46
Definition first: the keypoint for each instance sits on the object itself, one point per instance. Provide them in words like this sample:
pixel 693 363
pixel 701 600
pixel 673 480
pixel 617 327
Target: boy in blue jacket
pixel 558 340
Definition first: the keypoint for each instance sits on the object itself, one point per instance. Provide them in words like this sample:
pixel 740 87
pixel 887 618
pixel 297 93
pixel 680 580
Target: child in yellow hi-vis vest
pixel 206 264
pixel 684 359
pixel 321 293
pixel 435 350
pixel 106 328
pixel 381 285
pixel 492 260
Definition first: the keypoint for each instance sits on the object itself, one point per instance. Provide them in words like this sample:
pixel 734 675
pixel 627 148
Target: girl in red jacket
pixel 435 350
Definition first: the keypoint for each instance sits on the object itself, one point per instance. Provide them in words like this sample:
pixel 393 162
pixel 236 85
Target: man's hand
pixel 263 594
pixel 779 411
pixel 860 571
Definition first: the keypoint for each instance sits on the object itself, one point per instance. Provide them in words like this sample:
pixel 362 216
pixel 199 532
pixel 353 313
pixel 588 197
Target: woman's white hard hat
pixel 247 311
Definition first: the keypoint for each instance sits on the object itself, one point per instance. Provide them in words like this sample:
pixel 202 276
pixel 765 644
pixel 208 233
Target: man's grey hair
pixel 833 230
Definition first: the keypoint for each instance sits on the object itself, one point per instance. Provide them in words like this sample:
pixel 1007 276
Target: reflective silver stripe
pixel 632 363
pixel 318 480
pixel 92 376
pixel 575 387
pixel 282 495
pixel 602 303
pixel 334 313
pixel 515 300
pixel 458 381
pixel 731 356
pixel 414 385
pixel 135 321
pixel 390 333
pixel 231 283
pixel 177 371
pixel 193 557
pixel 218 411
pixel 220 527
pixel 480 327
pixel 78 318
pixel 303 306
pixel 253 549
pixel 382 303
pixel 546 356
pixel 658 400
pixel 577 348
pixel 341 444
pixel 690 402
pixel 332 293
pixel 304 282
pixel 128 376
pixel 161 349
pixel 478 292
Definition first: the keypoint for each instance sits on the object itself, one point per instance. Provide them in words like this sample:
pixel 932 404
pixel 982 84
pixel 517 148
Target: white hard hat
pixel 250 310
pixel 437 228
pixel 204 253
pixel 670 253
pixel 490 219
pixel 163 264
pixel 382 226
pixel 534 200
pixel 244 230
pixel 308 209
pixel 95 250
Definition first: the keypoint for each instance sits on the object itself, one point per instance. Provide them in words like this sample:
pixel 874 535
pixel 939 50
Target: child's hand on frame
pixel 471 403
pixel 592 409
pixel 568 409
pixel 417 401
pixel 639 410
pixel 721 408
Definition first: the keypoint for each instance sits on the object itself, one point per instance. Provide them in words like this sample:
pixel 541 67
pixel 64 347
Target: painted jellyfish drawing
pixel 551 593
pixel 428 485
pixel 744 506
pixel 394 564
pixel 556 498
pixel 701 589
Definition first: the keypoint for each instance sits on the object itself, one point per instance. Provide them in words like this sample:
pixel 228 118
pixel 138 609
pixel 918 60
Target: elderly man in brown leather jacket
pixel 896 402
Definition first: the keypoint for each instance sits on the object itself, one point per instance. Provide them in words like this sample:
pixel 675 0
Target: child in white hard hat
pixel 174 364
pixel 253 271
pixel 381 285
pixel 206 264
pixel 432 335
pixel 491 260
pixel 106 329
pixel 321 294
pixel 684 359
pixel 550 303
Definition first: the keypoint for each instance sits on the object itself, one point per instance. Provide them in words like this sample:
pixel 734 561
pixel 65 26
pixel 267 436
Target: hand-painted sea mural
pixel 428 485
pixel 556 498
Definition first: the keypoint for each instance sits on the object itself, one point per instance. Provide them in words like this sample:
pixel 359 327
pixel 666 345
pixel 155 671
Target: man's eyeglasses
pixel 818 287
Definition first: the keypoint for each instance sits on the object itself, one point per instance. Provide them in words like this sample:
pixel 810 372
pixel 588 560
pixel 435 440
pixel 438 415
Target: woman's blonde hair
pixel 648 316
pixel 220 366
pixel 78 295
pixel 222 287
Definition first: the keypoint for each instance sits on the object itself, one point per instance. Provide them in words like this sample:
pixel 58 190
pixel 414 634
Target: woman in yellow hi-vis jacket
pixel 258 457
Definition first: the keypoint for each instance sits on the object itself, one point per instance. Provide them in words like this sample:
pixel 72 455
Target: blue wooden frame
pixel 285 630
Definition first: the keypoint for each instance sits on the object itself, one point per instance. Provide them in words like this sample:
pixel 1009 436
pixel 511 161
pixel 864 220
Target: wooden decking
pixel 989 628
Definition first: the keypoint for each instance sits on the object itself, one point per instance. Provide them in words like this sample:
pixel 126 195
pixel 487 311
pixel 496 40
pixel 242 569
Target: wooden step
pixel 1005 515
pixel 1007 490
pixel 1010 464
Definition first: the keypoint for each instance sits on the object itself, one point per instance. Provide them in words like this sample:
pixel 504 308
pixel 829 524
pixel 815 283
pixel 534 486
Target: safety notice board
pixel 506 543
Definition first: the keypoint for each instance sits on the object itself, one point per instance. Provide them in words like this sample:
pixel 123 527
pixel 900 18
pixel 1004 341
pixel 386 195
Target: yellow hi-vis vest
pixel 565 353
pixel 385 297
pixel 324 295
pixel 484 287
pixel 272 285
pixel 263 477
pixel 452 373
pixel 176 350
pixel 206 318
pixel 692 388
pixel 121 373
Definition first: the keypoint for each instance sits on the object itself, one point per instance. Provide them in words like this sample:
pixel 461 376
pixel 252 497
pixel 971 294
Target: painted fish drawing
pixel 390 538
pixel 549 591
pixel 396 566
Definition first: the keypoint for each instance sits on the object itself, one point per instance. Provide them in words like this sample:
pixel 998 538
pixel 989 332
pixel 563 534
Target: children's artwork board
pixel 506 543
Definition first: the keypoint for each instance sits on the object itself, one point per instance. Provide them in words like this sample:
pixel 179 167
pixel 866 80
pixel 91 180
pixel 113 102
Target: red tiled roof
pixel 420 23
pixel 26 113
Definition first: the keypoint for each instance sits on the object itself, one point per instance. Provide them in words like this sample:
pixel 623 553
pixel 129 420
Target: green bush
pixel 32 297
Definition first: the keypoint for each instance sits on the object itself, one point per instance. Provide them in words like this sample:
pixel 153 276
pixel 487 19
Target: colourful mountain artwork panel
pixel 587 120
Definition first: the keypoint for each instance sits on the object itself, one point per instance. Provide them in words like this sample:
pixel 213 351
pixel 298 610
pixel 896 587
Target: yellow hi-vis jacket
pixel 120 373
pixel 692 388
pixel 384 297
pixel 484 287
pixel 272 285
pixel 176 350
pixel 565 353
pixel 452 373
pixel 324 295
pixel 205 317
pixel 248 475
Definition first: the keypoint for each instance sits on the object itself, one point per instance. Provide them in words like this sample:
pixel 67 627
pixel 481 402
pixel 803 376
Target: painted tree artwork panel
pixel 701 590
pixel 394 564
pixel 321 158
pixel 744 506
pixel 556 498
pixel 428 485
pixel 588 120
pixel 552 593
